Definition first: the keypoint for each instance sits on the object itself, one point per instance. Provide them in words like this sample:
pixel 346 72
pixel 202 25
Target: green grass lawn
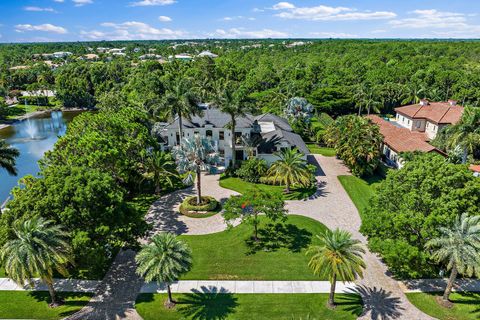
pixel 34 305
pixel 241 186
pixel 233 255
pixel 316 149
pixel 249 306
pixel 466 305
pixel 21 110
pixel 360 190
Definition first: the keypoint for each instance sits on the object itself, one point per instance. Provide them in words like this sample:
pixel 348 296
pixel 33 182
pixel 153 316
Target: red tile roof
pixel 402 139
pixel 475 167
pixel 437 112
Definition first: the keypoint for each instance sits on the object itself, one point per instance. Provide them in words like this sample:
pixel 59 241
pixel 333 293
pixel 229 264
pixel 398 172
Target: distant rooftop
pixel 437 112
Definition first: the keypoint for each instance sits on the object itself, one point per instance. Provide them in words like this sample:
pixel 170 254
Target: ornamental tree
pixel 250 205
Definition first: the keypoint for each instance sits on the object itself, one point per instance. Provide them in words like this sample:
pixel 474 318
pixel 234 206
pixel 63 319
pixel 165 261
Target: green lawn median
pixel 466 305
pixel 34 305
pixel 233 255
pixel 199 305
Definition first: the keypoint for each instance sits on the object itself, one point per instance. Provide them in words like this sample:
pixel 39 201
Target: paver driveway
pixel 331 205
pixel 383 297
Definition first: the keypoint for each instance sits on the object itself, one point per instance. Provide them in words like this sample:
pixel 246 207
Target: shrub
pixel 207 204
pixel 252 170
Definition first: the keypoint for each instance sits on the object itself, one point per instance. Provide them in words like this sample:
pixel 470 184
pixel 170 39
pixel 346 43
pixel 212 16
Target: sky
pixel 82 20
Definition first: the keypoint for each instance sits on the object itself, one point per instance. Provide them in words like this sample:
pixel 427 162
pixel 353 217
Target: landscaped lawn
pixel 466 305
pixel 232 254
pixel 241 186
pixel 34 305
pixel 325 151
pixel 249 306
pixel 360 190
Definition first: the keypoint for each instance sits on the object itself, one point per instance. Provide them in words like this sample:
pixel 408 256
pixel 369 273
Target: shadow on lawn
pixel 276 236
pixel 208 303
pixel 73 300
pixel 380 303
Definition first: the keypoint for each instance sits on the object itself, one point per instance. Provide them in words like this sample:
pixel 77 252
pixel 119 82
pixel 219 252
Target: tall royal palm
pixel 37 249
pixel 336 256
pixel 466 133
pixel 164 260
pixel 458 247
pixel 233 100
pixel 195 154
pixel 7 158
pixel 180 100
pixel 290 169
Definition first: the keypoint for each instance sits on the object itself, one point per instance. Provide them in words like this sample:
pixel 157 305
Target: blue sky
pixel 77 20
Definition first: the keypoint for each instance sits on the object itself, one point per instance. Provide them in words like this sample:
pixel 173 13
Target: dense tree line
pixel 337 76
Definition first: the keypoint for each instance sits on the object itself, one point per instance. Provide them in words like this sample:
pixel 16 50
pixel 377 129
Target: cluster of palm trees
pixel 466 133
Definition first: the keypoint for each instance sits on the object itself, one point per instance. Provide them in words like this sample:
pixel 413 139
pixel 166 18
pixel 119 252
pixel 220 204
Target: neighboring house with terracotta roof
pixel 398 139
pixel 476 169
pixel 429 117
pixel 214 124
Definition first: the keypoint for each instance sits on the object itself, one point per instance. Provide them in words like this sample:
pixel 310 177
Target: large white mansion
pixel 214 123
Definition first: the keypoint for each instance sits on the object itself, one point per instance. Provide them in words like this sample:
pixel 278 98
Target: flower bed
pixel 208 207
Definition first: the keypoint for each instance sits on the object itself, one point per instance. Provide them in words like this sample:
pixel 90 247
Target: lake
pixel 32 137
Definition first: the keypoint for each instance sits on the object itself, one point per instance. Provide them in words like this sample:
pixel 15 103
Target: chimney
pixel 452 102
pixel 424 102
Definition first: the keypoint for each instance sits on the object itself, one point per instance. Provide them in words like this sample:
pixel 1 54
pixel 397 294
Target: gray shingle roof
pixel 212 116
pixel 292 138
pixel 278 121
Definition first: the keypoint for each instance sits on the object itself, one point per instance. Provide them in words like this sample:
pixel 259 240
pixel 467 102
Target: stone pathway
pixel 116 294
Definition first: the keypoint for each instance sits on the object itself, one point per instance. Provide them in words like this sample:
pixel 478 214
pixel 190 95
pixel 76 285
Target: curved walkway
pixel 383 298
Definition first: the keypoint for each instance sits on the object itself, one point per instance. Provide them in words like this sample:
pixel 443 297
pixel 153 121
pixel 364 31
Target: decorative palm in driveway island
pixel 195 154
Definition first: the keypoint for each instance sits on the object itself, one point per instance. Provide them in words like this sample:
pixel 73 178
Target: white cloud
pixel 431 19
pixel 258 10
pixel 283 5
pixel 240 33
pixel 164 19
pixel 80 3
pixel 38 9
pixel 59 1
pixel 237 18
pixel 132 30
pixel 146 3
pixel 326 13
pixel 333 35
pixel 439 24
pixel 47 27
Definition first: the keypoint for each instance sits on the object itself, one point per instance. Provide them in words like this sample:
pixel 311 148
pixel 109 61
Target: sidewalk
pixel 185 286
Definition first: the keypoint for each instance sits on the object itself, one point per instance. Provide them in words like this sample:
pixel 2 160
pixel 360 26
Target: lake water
pixel 32 137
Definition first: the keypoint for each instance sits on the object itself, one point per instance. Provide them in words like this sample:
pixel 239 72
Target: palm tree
pixel 7 158
pixel 336 256
pixel 458 247
pixel 180 100
pixel 232 99
pixel 290 169
pixel 195 154
pixel 37 250
pixel 164 260
pixel 414 93
pixel 466 133
pixel 161 168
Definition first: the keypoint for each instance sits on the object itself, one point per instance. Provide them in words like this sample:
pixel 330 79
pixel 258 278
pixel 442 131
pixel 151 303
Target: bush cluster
pixel 252 170
pixel 208 204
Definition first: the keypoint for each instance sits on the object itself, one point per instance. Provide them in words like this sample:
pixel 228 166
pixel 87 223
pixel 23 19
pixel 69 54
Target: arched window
pixel 209 133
